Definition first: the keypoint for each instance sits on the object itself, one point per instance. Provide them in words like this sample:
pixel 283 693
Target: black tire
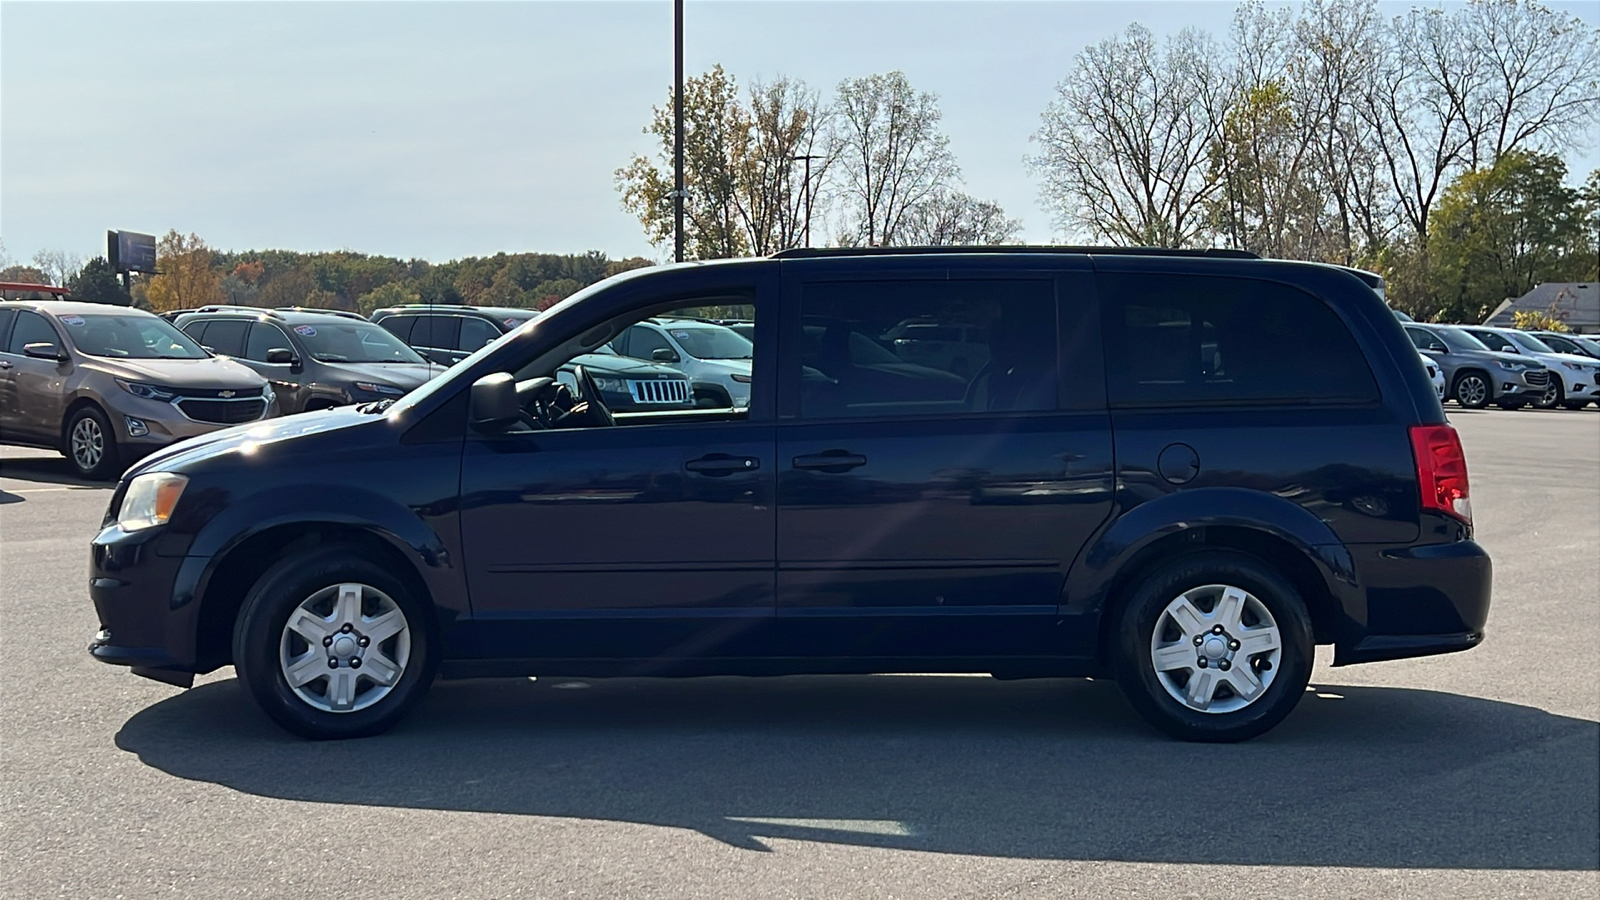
pixel 1554 394
pixel 1486 390
pixel 1142 613
pixel 93 463
pixel 260 628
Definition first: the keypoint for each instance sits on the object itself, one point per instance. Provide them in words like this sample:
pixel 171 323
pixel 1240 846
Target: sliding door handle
pixel 832 461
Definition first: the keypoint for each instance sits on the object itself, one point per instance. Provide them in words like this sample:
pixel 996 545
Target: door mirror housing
pixel 662 354
pixel 44 350
pixel 493 404
pixel 279 356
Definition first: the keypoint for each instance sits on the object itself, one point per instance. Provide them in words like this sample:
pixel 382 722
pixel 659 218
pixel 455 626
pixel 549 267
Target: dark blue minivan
pixel 1181 469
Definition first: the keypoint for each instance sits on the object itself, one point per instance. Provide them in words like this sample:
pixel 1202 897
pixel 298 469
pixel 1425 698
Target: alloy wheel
pixel 1472 391
pixel 345 647
pixel 88 443
pixel 1216 648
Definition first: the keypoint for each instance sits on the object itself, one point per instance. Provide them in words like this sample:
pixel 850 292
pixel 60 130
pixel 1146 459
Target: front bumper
pixel 141 623
pixel 1419 601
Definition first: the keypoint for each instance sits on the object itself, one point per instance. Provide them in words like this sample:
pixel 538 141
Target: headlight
pixel 1510 366
pixel 150 500
pixel 1576 367
pixel 147 391
pixel 742 379
pixel 612 385
pixel 375 388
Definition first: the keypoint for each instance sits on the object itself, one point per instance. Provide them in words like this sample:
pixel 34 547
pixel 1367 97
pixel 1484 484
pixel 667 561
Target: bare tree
pixel 1542 77
pixel 951 218
pixel 790 140
pixel 892 157
pixel 58 265
pixel 1125 146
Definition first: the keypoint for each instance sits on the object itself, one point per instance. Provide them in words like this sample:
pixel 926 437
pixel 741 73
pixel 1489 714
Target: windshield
pixel 130 336
pixel 712 342
pixel 1460 340
pixel 1529 343
pixel 353 342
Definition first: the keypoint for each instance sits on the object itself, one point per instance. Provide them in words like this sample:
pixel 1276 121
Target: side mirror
pixel 280 356
pixel 493 404
pixel 662 354
pixel 44 350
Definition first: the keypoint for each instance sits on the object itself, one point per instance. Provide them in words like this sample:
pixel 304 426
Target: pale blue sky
pixel 441 130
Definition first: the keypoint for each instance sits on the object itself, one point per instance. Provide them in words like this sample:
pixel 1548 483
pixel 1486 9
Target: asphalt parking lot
pixel 1469 775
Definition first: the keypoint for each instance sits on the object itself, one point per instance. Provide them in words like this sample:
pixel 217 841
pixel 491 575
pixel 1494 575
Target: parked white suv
pixel 1576 378
pixel 716 358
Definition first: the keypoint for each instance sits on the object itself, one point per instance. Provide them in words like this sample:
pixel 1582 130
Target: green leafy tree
pixel 395 293
pixel 1500 230
pixel 97 283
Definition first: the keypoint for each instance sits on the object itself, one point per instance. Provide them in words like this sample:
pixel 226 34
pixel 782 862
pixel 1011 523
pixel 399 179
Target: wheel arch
pixel 224 585
pixel 1279 533
pixel 1464 371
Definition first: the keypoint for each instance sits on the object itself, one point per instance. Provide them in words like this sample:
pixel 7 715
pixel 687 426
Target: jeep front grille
pixel 660 390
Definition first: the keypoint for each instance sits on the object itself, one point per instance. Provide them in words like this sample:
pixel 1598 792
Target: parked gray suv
pixel 1476 375
pixel 315 360
pixel 1574 378
pixel 105 385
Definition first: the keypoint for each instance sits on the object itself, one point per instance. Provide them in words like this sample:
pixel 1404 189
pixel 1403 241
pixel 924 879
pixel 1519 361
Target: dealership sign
pixel 129 251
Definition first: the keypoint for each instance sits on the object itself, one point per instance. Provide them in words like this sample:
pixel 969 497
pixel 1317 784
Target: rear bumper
pixel 1419 601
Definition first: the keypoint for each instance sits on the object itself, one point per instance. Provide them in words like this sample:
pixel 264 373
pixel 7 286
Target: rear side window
pixel 476 334
pixel 435 332
pixel 31 328
pixel 1185 339
pixel 901 348
pixel 226 336
pixel 399 326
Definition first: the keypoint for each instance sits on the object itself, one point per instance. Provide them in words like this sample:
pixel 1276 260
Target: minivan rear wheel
pixel 332 645
pixel 1214 646
pixel 91 445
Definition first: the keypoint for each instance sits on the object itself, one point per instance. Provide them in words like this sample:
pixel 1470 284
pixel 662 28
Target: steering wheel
pixel 598 413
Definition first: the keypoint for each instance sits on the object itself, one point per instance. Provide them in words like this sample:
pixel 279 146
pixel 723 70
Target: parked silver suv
pixel 105 385
pixel 1575 379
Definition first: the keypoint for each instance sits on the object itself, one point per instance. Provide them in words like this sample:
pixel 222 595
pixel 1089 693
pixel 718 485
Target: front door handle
pixel 719 464
pixel 831 461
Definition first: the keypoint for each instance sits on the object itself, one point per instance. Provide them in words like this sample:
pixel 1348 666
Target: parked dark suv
pixel 1152 474
pixel 315 359
pixel 449 334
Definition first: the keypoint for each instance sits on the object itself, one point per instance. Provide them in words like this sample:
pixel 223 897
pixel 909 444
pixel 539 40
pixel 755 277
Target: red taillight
pixel 1442 470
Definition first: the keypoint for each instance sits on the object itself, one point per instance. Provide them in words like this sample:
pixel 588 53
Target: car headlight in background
pixel 150 500
pixel 375 388
pixel 147 391
pixel 612 385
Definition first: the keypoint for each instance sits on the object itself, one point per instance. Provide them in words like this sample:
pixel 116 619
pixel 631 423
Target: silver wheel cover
pixel 345 647
pixel 1216 648
pixel 88 443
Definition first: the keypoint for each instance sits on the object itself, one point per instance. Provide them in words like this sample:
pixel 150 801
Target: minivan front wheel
pixel 331 645
pixel 1472 391
pixel 91 444
pixel 1215 646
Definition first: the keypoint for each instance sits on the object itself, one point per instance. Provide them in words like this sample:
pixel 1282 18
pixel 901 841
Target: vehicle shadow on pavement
pixel 1357 776
pixel 45 470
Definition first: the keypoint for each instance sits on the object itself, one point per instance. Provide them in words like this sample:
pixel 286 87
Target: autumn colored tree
pixel 186 278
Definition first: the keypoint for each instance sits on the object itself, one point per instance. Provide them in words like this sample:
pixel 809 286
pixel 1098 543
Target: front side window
pixel 1529 343
pixel 352 342
pixel 129 337
pixel 703 341
pixel 31 328
pixel 1425 340
pixel 476 334
pixel 910 348
pixel 1185 339
pixel 1494 341
pixel 265 336
pixel 1461 340
pixel 642 343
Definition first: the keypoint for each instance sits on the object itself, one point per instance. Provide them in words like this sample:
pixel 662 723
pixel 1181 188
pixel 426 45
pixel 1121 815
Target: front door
pixel 648 542
pixel 930 503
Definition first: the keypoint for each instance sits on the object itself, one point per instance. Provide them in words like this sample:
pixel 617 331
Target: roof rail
pixel 814 252
pixel 220 307
pixel 343 313
pixel 431 306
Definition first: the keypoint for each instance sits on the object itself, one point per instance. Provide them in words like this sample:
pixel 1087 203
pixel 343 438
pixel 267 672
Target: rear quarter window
pixel 1188 339
pixel 399 326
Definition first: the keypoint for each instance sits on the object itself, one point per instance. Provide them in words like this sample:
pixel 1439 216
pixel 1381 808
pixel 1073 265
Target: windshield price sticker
pixel 680 334
pixel 72 320
pixel 306 330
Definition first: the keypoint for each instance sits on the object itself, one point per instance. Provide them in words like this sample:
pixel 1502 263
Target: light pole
pixel 677 130
pixel 805 191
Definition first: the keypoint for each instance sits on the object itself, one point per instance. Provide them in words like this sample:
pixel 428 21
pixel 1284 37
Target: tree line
pixel 1425 146
pixel 193 274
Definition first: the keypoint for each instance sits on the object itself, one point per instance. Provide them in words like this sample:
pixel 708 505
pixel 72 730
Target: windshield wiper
pixel 375 407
